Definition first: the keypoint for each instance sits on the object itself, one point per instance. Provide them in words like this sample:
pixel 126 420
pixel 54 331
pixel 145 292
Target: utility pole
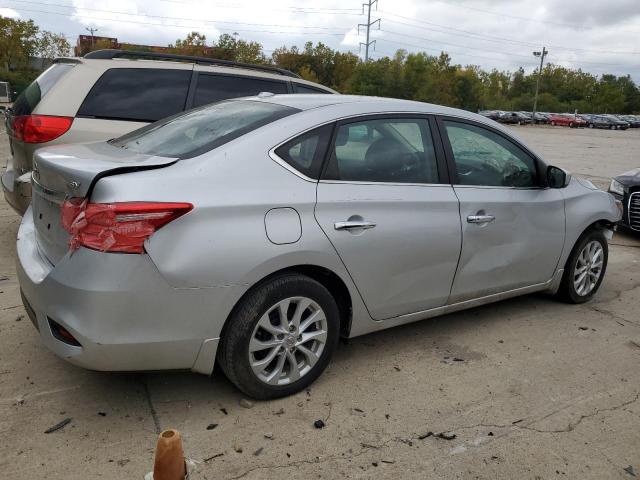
pixel 541 54
pixel 91 29
pixel 368 25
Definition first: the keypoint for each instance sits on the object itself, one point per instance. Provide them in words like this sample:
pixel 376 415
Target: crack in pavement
pixel 315 461
pixel 569 428
pixel 152 410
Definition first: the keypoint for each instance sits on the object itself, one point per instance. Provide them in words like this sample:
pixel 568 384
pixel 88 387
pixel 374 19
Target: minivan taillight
pixel 116 227
pixel 40 128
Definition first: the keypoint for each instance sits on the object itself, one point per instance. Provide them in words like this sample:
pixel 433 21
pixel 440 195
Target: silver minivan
pixel 108 93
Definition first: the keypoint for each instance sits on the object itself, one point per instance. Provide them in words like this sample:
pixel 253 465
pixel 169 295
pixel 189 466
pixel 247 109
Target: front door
pixel 513 227
pixel 382 204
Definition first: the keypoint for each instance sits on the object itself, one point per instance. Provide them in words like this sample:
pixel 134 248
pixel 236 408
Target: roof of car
pixel 377 104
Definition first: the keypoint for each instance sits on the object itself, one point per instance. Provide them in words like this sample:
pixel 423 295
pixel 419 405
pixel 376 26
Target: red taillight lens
pixel 116 227
pixel 40 128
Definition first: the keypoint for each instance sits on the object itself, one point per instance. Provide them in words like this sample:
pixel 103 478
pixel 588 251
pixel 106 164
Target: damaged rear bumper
pixel 120 309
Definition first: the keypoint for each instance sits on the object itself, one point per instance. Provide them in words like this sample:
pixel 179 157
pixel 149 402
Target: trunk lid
pixel 71 171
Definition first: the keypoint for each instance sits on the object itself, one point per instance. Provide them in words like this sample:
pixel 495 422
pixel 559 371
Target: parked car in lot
pixel 632 120
pixel 514 118
pixel 255 232
pixel 566 120
pixel 541 118
pixel 617 123
pixel 598 121
pixel 626 188
pixel 492 114
pixel 111 92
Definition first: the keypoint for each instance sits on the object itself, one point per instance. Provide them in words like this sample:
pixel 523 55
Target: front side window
pixel 306 152
pixel 485 158
pixel 390 150
pixel 138 94
pixel 213 88
pixel 203 129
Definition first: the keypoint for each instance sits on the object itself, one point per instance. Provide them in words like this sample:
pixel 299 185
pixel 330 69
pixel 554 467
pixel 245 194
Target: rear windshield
pixel 31 96
pixel 200 130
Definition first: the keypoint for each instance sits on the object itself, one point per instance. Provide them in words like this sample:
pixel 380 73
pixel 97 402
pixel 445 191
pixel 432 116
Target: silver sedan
pixel 256 232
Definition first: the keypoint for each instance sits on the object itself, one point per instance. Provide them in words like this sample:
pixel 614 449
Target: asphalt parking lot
pixel 526 388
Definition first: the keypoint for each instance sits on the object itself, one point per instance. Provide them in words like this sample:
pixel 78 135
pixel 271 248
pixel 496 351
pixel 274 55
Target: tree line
pixel 412 76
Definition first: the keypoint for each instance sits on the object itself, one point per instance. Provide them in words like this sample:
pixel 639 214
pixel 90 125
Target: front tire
pixel 280 337
pixel 585 268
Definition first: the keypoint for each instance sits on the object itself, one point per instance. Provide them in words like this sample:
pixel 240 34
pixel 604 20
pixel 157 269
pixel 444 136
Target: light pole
pixel 541 54
pixel 92 30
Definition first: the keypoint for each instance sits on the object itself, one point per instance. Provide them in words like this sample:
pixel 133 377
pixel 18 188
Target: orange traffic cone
pixel 169 463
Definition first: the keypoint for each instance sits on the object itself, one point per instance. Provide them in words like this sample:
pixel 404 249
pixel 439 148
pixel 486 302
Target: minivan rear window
pixel 137 94
pixel 200 130
pixel 31 96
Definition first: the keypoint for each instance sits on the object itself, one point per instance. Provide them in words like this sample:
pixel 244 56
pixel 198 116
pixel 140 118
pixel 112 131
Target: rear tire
pixel 585 268
pixel 258 321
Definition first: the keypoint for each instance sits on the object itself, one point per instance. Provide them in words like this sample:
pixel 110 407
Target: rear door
pixel 213 86
pixel 512 225
pixel 385 204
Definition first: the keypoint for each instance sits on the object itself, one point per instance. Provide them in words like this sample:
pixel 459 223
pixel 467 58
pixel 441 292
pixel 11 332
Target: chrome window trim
pixel 391 184
pixel 290 168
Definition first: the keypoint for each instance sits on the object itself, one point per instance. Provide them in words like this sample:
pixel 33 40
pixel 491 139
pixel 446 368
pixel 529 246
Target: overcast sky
pixel 595 35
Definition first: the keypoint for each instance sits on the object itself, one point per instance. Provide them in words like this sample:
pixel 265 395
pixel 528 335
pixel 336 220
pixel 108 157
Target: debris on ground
pixel 318 424
pixel 583 328
pixel 19 318
pixel 456 359
pixel 237 447
pixel 446 435
pixel 359 410
pixel 211 426
pixel 102 414
pixel 224 410
pixel 425 435
pixel 58 426
pixel 268 436
pixel 3 278
pixel 123 462
pixel 258 451
pixel 630 471
pixel 397 369
pixel 279 412
pixel 490 434
pixel 244 403
pixel 390 462
pixel 208 459
pixel 375 464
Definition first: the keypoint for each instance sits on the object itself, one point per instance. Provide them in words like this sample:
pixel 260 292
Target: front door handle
pixel 480 218
pixel 353 225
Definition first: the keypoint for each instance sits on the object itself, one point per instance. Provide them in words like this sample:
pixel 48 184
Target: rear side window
pixel 138 94
pixel 203 129
pixel 31 96
pixel 214 88
pixel 389 150
pixel 306 152
pixel 301 88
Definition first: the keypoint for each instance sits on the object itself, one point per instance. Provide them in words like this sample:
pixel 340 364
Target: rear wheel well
pixel 326 278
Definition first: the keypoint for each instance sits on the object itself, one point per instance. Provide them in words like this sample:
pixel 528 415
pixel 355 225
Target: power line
pixel 368 26
pixel 169 18
pixel 118 20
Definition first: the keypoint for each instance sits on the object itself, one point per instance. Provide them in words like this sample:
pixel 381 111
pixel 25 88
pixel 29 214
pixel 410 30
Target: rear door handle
pixel 353 225
pixel 480 218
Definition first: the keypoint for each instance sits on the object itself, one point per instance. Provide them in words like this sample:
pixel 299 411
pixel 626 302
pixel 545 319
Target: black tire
pixel 233 353
pixel 567 291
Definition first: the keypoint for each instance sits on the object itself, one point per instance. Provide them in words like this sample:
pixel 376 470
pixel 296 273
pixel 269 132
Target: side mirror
pixel 557 177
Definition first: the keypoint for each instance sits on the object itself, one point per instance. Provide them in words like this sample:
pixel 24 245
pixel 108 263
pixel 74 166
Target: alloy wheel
pixel 288 341
pixel 588 268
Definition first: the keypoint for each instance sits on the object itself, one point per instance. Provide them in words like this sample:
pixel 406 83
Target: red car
pixel 568 120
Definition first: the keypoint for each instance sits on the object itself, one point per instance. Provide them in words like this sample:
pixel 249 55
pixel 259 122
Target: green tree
pixel 52 45
pixel 18 42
